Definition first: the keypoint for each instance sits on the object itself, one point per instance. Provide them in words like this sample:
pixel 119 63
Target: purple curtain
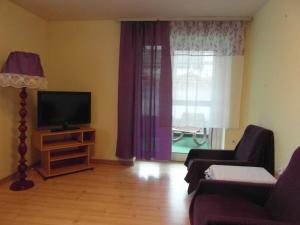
pixel 145 92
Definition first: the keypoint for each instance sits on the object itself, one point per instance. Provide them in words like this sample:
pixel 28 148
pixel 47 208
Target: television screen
pixel 63 108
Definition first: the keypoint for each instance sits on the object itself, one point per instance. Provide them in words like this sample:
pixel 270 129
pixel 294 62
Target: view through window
pixel 192 96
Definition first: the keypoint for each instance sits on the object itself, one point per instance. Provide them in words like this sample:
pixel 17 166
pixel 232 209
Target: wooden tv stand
pixel 64 152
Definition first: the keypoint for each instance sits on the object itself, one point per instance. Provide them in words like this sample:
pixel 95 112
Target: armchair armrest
pixel 224 220
pixel 209 162
pixel 257 193
pixel 209 154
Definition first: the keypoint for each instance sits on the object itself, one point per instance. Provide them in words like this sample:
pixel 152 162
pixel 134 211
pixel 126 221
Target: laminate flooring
pixel 148 193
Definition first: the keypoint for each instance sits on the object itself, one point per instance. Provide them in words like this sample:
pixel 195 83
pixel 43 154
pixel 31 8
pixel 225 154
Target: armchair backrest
pixel 257 146
pixel 283 204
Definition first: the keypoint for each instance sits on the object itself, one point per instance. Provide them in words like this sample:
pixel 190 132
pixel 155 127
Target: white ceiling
pixel 142 9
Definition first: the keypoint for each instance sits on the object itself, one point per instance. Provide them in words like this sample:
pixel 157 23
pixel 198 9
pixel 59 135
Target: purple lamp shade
pixel 23 69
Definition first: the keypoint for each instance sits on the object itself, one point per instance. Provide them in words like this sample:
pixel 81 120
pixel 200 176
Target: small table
pixel 240 173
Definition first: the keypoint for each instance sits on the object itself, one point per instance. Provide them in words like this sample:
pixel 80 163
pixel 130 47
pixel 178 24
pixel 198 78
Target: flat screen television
pixel 63 110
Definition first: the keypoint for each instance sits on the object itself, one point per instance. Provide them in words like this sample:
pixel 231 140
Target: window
pixel 192 88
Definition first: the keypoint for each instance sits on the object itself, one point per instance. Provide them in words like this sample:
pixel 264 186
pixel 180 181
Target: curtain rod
pixel 204 18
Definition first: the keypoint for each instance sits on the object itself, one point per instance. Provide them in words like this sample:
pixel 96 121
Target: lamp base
pixel 21 185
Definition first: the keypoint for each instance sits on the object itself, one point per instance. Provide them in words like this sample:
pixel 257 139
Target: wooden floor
pixel 146 194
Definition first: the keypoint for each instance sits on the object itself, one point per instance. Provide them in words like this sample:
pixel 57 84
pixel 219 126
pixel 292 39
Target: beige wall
pixel 273 75
pixel 84 56
pixel 19 30
pixel 79 56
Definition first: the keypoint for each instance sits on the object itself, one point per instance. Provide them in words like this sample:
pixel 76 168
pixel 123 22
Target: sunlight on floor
pixel 147 170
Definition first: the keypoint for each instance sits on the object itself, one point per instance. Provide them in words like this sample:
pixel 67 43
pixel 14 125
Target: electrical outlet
pixel 280 169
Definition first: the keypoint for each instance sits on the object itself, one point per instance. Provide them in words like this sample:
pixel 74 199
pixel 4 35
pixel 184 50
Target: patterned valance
pixel 224 38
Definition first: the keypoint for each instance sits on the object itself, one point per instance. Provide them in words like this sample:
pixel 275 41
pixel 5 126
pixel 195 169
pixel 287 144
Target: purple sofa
pixel 256 148
pixel 236 203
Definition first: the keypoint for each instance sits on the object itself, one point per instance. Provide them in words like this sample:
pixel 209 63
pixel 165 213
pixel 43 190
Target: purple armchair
pixel 256 148
pixel 236 203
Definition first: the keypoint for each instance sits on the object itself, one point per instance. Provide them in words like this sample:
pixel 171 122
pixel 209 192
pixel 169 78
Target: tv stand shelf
pixel 64 152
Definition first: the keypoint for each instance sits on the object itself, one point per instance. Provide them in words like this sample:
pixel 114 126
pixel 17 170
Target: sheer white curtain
pixel 207 64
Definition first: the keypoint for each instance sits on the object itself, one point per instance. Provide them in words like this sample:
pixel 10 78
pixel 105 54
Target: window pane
pixel 192 86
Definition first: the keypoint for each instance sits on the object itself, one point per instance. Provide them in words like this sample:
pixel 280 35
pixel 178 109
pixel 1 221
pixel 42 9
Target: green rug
pixel 186 143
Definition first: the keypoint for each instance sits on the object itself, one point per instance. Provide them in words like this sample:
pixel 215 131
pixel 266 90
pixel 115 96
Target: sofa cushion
pixel 209 206
pixel 250 147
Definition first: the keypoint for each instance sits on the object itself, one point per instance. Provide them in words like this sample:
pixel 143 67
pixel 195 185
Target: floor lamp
pixel 22 70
